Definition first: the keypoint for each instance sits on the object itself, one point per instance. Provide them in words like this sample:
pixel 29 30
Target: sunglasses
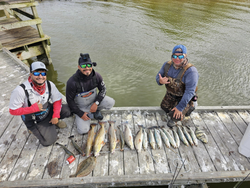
pixel 86 65
pixel 179 56
pixel 38 73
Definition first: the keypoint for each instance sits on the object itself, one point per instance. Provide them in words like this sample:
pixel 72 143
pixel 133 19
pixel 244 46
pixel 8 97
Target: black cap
pixel 85 59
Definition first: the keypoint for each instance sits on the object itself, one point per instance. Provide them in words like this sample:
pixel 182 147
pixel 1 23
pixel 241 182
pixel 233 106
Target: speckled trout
pixel 192 134
pixel 138 139
pixel 158 138
pixel 128 137
pixel 182 136
pixel 176 138
pixel 164 138
pixel 99 140
pixel 112 136
pixel 188 136
pixel 145 140
pixel 151 139
pixel 90 140
pixel 170 137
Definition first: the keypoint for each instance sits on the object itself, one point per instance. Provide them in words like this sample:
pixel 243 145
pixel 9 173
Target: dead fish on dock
pixel 170 137
pixel 164 138
pixel 99 140
pixel 129 137
pixel 190 140
pixel 145 140
pixel 122 139
pixel 176 138
pixel 138 139
pixel 201 135
pixel 90 140
pixel 66 150
pixel 158 138
pixel 182 136
pixel 192 134
pixel 112 136
pixel 85 167
pixel 151 138
pixel 78 148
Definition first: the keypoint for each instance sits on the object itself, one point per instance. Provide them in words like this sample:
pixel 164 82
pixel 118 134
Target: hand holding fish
pixel 163 80
pixel 177 114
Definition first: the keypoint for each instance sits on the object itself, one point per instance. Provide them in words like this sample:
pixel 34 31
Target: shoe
pixel 98 115
pixel 171 123
pixel 191 109
pixel 61 124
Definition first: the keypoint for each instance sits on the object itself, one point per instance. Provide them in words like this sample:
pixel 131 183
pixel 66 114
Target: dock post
pixel 40 31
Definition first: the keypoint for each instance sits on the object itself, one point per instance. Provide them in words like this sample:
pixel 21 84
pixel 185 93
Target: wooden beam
pixel 131 180
pixel 15 25
pixel 19 5
pixel 24 13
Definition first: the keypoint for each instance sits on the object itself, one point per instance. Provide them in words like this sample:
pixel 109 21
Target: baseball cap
pixel 37 65
pixel 180 46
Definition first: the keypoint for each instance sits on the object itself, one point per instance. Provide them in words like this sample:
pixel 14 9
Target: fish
pixel 85 167
pixel 78 148
pixel 181 136
pixel 145 140
pixel 66 149
pixel 112 136
pixel 170 137
pixel 164 138
pixel 90 140
pixel 194 138
pixel 201 135
pixel 138 140
pixel 190 140
pixel 99 140
pixel 158 138
pixel 122 139
pixel 151 138
pixel 128 137
pixel 176 138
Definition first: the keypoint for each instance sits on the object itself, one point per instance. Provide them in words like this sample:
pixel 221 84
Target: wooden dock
pixel 17 33
pixel 26 163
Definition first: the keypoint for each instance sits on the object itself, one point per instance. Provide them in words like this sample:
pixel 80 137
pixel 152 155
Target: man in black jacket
pixel 82 97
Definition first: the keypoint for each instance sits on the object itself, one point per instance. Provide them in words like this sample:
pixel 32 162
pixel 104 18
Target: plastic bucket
pixel 244 147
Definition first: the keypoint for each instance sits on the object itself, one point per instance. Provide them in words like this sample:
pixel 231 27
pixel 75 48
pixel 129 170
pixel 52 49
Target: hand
pixel 54 121
pixel 93 108
pixel 85 117
pixel 40 106
pixel 163 80
pixel 177 114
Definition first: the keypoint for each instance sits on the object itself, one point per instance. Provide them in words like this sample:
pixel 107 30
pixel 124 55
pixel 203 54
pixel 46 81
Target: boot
pixel 171 123
pixel 98 115
pixel 61 124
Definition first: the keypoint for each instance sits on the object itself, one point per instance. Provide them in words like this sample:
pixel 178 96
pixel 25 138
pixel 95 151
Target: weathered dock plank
pixel 214 124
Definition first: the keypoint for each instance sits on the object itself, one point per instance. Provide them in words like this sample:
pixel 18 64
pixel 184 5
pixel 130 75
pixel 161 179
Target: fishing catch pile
pixel 155 137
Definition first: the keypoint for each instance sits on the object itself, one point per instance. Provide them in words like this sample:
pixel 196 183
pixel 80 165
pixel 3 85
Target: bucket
pixel 244 147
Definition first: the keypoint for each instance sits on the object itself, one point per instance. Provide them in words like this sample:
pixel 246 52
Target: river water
pixel 131 39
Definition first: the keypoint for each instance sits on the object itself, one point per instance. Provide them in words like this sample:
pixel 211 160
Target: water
pixel 130 40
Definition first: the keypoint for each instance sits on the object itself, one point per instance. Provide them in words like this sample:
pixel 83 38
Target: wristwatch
pixel 97 103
